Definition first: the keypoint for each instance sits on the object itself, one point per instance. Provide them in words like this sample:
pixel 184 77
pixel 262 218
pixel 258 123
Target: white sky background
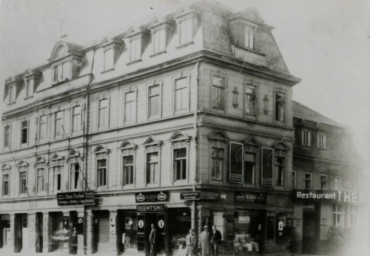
pixel 324 42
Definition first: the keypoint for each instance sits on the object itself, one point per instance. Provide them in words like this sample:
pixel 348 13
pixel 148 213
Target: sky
pixel 326 43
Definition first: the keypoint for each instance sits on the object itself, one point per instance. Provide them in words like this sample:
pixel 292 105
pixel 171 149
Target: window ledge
pixel 29 97
pixel 11 103
pixel 184 45
pixel 41 193
pixel 250 50
pixel 158 53
pixel 107 70
pixel 133 62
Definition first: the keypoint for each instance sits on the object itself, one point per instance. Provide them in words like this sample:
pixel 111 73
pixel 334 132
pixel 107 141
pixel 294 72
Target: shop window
pixel 323 181
pixel 75 176
pixel 22 180
pixel 24 132
pixel 249 37
pixel 154 101
pixel 337 183
pixel 7 136
pixel 218 93
pixel 102 172
pixel 108 59
pixel 267 167
pixel 249 100
pixel 57 178
pixel 321 140
pixel 152 167
pixel 306 138
pixel 181 94
pixel 185 31
pixel 135 49
pixel 40 180
pixel 59 129
pixel 179 220
pixel 6 184
pixel 280 167
pixel 249 168
pixel 338 215
pixel 179 164
pixel 218 163
pixel 159 40
pixel 128 170
pixel 103 113
pixel 130 107
pixel 76 118
pixel 307 180
pixel 279 107
pixel 294 179
pixel 43 127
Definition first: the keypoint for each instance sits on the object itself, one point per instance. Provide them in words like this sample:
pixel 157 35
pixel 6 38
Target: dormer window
pixel 61 72
pixel 135 49
pixel 108 59
pixel 29 88
pixel 248 37
pixel 12 93
pixel 186 22
pixel 159 40
pixel 111 50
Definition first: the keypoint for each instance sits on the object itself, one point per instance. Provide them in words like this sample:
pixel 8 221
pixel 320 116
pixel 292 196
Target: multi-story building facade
pixel 104 140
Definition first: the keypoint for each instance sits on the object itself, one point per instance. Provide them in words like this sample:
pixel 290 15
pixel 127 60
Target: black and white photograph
pixel 185 127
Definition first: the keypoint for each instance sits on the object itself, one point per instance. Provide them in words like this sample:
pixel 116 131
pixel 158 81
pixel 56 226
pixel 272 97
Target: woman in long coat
pixel 204 242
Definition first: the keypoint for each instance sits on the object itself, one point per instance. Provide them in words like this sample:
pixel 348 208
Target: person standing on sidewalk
pixel 204 242
pixel 152 240
pixel 190 243
pixel 216 238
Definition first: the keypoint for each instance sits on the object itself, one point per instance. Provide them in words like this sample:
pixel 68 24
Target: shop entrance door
pixel 21 232
pixel 145 221
pixel 309 232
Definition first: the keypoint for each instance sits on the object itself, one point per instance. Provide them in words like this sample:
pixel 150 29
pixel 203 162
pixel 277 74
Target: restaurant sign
pixel 76 198
pixel 144 197
pixel 329 195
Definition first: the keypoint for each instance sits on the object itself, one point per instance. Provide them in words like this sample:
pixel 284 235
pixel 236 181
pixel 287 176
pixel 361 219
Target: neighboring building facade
pixel 329 194
pixel 199 100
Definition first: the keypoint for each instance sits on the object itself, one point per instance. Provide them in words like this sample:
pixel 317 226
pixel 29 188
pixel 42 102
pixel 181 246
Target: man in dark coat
pixel 152 240
pixel 216 238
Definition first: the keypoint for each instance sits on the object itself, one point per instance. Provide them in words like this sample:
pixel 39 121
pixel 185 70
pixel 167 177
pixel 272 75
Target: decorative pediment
pixel 179 136
pixel 101 150
pixel 151 145
pixel 251 144
pixel 128 148
pixel 5 167
pixel 62 49
pixel 218 136
pixel 55 158
pixel 22 163
pixel 280 149
pixel 73 153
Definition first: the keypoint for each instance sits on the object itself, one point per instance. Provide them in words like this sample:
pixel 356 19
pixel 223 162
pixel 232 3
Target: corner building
pixel 101 141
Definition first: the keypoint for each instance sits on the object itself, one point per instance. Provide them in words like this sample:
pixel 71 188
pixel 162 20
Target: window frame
pixel 305 179
pixel 321 140
pixel 7 194
pixel 306 140
pixel 101 153
pixel 280 111
pixel 128 149
pixel 160 100
pixel 152 146
pixel 294 179
pixel 99 169
pixel 7 136
pixel 59 129
pixel 38 191
pixel 23 180
pixel 337 185
pixel 280 173
pixel 134 103
pixel 323 182
pixel 26 131
pixel 222 91
pixel 72 171
pixel 254 167
pixel 103 124
pixel 110 65
pixel 338 211
pixel 188 23
pixel 76 128
pixel 249 32
pixel 43 134
pixel 136 48
pixel 186 108
pixel 159 35
pixel 252 100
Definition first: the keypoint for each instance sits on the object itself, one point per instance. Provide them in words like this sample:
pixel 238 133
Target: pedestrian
pixel 190 243
pixel 216 238
pixel 74 241
pixel 152 240
pixel 204 242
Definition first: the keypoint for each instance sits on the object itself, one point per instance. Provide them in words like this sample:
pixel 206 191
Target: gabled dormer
pixel 13 86
pixel 112 49
pixel 161 31
pixel 31 80
pixel 137 41
pixel 187 21
pixel 65 61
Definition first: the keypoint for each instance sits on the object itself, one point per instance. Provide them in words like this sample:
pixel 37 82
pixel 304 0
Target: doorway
pixel 145 221
pixel 310 231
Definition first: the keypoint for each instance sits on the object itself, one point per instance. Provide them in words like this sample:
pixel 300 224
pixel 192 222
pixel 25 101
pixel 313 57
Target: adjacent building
pixel 182 121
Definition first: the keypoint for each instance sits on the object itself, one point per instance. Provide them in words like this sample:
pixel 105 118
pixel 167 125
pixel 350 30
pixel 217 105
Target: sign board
pixel 190 195
pixel 150 208
pixel 244 219
pixel 76 198
pixel 250 197
pixel 329 195
pixel 144 197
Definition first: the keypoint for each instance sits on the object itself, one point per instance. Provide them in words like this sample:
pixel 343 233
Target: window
pixel 306 138
pixel 29 88
pixel 152 167
pixel 75 177
pixel 294 179
pixel 159 41
pixel 103 113
pixel 102 172
pixel 24 132
pixel 22 180
pixel 130 107
pixel 321 140
pixel 76 119
pixel 12 93
pixel 323 181
pixel 279 107
pixel 42 129
pixel 55 74
pixel 179 164
pixel 218 163
pixel 59 129
pixel 249 168
pixel 135 49
pixel 6 184
pixel 337 185
pixel 185 31
pixel 250 100
pixel 154 101
pixel 40 186
pixel 181 94
pixel 249 37
pixel 7 136
pixel 280 171
pixel 218 92
pixel 267 167
pixel 338 215
pixel 352 216
pixel 57 178
pixel 108 59
pixel 307 180
pixel 65 71
pixel 128 170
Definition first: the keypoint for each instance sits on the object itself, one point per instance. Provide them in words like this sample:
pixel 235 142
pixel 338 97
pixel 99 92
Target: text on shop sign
pixel 333 195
